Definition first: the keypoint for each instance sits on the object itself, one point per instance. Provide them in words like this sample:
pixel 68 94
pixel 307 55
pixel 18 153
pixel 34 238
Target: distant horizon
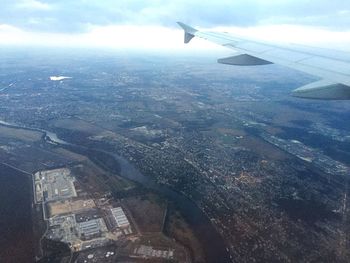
pixel 162 38
pixel 152 25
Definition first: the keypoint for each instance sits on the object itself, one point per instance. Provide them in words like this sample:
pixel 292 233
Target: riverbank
pixel 210 240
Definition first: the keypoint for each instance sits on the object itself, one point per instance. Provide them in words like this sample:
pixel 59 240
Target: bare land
pixel 19 134
pixel 70 206
pixel 148 211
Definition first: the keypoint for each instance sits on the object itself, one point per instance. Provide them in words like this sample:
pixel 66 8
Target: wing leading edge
pixel 333 67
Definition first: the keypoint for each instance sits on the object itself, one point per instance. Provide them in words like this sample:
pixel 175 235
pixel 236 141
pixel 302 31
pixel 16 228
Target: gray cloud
pixel 74 16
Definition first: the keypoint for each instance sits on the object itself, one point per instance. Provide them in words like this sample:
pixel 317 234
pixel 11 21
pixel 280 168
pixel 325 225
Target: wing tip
pixel 189 31
pixel 187 28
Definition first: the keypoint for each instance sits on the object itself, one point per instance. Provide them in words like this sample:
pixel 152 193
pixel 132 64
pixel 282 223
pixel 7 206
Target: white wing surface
pixel 333 67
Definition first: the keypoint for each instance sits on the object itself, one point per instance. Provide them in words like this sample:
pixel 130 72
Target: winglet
pixel 189 31
pixel 323 89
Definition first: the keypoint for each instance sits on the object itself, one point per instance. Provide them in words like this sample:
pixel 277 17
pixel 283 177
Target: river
pixel 211 241
pixel 213 244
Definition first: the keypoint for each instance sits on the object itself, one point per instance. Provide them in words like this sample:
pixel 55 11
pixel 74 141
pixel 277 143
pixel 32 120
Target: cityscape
pixel 174 159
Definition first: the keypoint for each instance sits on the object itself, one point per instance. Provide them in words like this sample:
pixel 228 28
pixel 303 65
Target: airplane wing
pixel 333 67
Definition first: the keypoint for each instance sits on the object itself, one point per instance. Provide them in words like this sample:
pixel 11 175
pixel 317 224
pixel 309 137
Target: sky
pixel 152 23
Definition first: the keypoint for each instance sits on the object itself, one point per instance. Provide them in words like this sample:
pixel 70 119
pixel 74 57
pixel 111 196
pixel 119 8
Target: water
pixel 213 244
pixel 6 123
pixel 211 241
pixel 53 137
pixel 16 233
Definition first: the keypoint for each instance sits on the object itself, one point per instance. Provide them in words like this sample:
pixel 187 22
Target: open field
pixel 148 212
pixel 69 206
pixel 93 179
pixel 263 148
pixel 70 155
pixel 78 125
pixel 179 230
pixel 19 134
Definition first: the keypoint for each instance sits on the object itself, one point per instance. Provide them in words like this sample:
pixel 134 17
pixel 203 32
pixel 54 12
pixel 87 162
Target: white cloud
pixel 144 37
pixel 33 5
pixel 157 37
pixel 10 35
pixel 69 15
pixel 111 37
pixel 4 28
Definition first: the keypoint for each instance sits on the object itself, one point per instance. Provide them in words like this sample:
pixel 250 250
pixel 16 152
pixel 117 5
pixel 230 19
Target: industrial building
pixel 120 217
pixel 52 185
pixel 91 228
pixel 148 251
pixel 75 220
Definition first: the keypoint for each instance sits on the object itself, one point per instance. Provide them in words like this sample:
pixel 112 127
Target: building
pixel 90 229
pixel 120 217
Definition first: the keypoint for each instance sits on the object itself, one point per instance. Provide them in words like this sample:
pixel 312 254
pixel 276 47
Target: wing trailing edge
pixel 330 65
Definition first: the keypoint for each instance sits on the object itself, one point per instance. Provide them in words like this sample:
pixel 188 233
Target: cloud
pixel 110 37
pixel 163 38
pixel 9 29
pixel 75 16
pixel 82 18
pixel 33 5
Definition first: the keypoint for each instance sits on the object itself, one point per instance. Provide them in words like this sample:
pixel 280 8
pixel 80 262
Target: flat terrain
pixel 148 211
pixel 16 237
pixel 19 134
pixel 268 171
pixel 177 228
pixel 69 207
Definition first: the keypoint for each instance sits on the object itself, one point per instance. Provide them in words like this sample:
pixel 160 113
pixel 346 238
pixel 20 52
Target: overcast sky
pixel 151 23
